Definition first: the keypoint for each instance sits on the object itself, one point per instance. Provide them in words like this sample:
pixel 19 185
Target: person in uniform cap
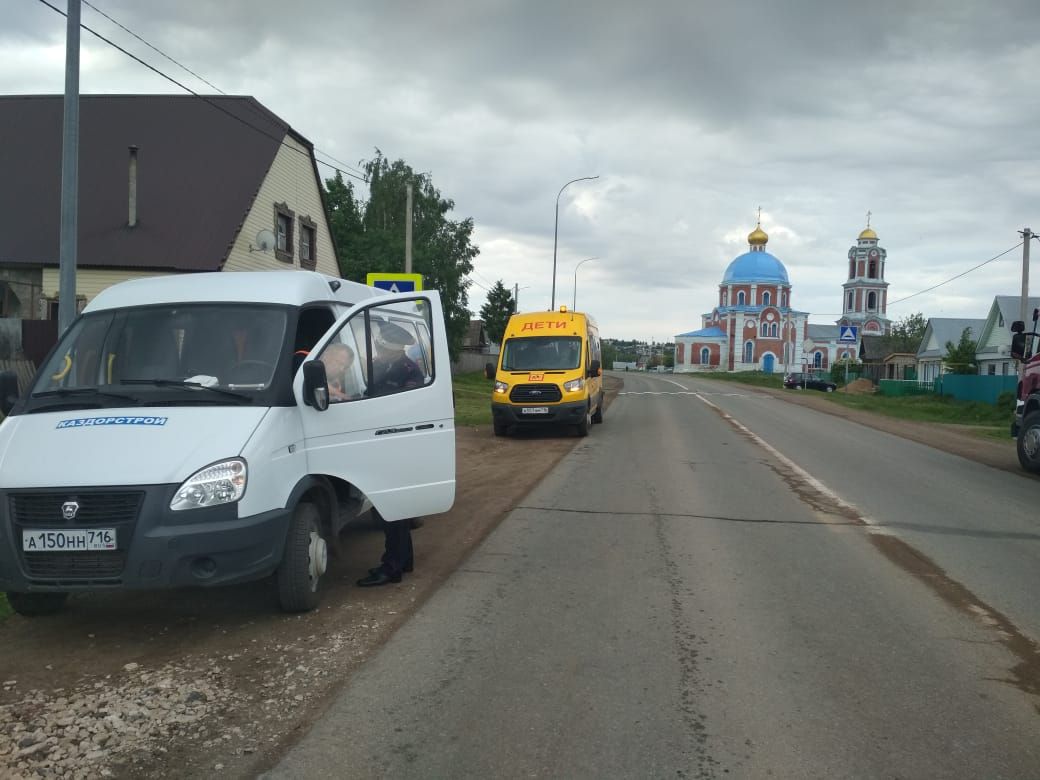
pixel 394 371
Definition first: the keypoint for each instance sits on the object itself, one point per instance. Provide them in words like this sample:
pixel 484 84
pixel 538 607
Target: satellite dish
pixel 264 242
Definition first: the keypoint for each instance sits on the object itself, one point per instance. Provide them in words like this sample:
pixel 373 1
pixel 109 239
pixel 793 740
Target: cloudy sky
pixel 691 113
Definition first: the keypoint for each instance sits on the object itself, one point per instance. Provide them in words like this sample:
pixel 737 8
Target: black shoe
pixel 378 577
pixel 408 568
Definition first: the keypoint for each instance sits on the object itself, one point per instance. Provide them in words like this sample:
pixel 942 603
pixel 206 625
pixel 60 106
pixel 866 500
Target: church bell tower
pixel 865 293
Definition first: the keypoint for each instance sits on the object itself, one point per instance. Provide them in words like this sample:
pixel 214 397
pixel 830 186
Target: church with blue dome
pixel 753 325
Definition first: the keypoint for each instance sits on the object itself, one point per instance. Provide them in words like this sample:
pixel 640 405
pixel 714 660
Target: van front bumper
pixel 155 546
pixel 570 413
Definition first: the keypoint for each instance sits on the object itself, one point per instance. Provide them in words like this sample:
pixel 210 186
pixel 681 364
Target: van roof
pixel 293 288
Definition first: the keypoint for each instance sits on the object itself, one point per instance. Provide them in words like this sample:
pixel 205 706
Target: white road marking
pixel 802 473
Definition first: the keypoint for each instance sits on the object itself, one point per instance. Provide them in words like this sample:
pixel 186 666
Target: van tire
pixel 501 429
pixel 303 562
pixel 34 604
pixel 586 422
pixel 597 416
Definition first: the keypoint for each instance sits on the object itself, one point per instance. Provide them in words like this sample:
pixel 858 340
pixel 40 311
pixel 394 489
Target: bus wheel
pixel 586 422
pixel 501 429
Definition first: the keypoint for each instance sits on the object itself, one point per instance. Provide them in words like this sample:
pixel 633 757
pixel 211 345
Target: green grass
pixel 922 408
pixel 472 399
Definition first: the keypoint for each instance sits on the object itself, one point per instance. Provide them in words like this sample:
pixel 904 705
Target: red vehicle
pixel 1026 426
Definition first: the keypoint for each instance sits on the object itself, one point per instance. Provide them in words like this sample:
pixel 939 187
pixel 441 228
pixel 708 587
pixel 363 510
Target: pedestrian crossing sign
pixel 849 334
pixel 395 283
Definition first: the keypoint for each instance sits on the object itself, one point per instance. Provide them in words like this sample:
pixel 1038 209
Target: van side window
pixel 396 339
pixel 310 327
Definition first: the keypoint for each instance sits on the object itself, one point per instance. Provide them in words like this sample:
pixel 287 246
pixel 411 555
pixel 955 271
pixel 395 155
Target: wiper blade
pixel 66 392
pixel 188 384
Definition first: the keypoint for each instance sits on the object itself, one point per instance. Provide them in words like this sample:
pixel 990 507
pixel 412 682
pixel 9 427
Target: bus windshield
pixel 541 353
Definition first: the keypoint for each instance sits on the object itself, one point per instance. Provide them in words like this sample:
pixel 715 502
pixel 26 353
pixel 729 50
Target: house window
pixel 1005 368
pixel 872 301
pixel 773 330
pixel 765 329
pixel 1000 317
pixel 308 236
pixel 872 270
pixel 749 352
pixel 740 298
pixel 705 356
pixel 991 369
pixel 283 232
pixel 765 298
pixel 852 269
pixel 817 360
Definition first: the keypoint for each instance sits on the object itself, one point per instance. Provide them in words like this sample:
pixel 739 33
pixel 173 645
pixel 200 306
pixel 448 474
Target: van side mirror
pixel 489 370
pixel 315 385
pixel 594 368
pixel 1018 326
pixel 8 391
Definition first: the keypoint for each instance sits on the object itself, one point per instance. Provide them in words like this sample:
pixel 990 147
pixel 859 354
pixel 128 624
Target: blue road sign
pixel 848 334
pixel 395 283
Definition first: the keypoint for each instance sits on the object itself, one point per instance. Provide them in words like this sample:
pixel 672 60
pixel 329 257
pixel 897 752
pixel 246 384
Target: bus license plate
pixel 534 410
pixel 69 540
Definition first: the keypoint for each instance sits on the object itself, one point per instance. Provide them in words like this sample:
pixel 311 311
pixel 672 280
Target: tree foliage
pixel 497 310
pixel 960 357
pixel 370 235
pixel 906 334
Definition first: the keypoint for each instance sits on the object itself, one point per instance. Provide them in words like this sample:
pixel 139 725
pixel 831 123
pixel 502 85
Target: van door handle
pixel 424 427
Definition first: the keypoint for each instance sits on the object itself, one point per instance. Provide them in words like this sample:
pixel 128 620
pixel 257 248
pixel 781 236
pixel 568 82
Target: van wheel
pixel 304 561
pixel 501 429
pixel 597 416
pixel 33 604
pixel 586 422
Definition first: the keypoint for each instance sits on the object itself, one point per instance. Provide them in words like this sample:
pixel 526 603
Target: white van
pixel 182 432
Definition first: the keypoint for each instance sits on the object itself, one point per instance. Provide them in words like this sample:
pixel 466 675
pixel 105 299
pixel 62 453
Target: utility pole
pixel 516 297
pixel 69 173
pixel 1027 320
pixel 408 230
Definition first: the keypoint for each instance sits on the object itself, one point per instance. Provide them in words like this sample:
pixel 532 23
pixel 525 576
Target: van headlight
pixel 218 483
pixel 500 387
pixel 574 385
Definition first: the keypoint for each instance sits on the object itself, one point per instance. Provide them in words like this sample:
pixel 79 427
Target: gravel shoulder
pixel 195 682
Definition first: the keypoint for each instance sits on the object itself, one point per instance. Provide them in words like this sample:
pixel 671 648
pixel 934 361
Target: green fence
pixel 968 387
pixel 903 387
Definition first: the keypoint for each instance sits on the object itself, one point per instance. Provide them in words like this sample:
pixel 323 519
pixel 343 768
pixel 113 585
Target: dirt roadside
pixel 194 683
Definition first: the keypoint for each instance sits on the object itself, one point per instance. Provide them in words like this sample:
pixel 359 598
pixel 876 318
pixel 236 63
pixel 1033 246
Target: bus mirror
pixel 1018 326
pixel 594 368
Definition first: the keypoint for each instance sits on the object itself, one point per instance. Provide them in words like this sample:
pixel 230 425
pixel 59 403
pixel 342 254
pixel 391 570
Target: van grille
pixel 96 510
pixel 534 394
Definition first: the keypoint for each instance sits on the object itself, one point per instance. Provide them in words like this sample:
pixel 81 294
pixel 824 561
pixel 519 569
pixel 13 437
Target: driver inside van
pixel 339 364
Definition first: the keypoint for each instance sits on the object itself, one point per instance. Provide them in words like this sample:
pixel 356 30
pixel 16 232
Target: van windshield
pixel 541 353
pixel 196 346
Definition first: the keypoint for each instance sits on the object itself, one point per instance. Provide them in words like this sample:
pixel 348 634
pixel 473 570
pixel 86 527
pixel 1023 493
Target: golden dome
pixel 758 236
pixel 868 233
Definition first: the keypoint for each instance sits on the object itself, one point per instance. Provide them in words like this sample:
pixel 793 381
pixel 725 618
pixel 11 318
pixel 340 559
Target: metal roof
pixel 200 165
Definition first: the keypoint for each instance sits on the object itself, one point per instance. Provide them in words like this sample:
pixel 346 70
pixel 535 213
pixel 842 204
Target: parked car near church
pixel 799 380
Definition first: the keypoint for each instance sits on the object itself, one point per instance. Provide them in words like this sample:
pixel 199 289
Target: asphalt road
pixel 719 583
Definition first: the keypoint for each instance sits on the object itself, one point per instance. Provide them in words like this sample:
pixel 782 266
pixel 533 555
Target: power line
pixel 200 97
pixel 153 48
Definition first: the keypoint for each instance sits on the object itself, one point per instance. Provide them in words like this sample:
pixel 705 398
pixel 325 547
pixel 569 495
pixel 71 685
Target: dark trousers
pixel 397 555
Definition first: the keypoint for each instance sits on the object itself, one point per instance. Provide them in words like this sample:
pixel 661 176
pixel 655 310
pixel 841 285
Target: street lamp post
pixel 556 231
pixel 574 303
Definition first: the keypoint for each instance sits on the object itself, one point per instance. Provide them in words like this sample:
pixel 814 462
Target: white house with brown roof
pixel 168 184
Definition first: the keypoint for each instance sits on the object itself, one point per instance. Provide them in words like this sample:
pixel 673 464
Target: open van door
pixel 384 420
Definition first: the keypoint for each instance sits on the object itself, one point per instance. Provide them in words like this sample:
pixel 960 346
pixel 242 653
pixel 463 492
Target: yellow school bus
pixel 549 371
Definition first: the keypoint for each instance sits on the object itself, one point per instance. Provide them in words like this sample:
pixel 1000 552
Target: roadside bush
pixel 840 371
pixel 1006 401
